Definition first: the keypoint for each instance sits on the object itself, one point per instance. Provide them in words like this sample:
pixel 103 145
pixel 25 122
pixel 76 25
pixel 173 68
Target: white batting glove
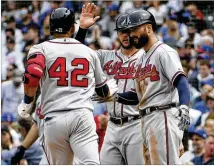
pixel 185 118
pixel 24 110
pixel 112 85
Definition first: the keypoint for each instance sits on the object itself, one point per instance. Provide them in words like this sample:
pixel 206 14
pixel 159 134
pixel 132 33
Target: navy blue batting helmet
pixel 61 20
pixel 121 22
pixel 140 17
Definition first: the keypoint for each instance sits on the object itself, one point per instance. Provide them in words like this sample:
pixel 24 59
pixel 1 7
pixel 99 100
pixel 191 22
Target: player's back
pixel 68 81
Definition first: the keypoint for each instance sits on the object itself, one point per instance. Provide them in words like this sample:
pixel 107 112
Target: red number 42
pixel 62 74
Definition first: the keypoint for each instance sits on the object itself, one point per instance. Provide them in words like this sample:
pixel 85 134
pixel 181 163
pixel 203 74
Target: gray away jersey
pixel 156 75
pixel 122 69
pixel 39 122
pixel 71 72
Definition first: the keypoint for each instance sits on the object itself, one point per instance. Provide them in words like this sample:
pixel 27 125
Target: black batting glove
pixel 19 155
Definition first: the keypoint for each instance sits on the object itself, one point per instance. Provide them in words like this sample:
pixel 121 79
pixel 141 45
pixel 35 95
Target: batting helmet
pixel 140 17
pixel 61 20
pixel 121 22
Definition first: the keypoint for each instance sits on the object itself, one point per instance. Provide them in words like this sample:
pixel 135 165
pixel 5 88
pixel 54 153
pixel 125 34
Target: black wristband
pixel 22 148
pixel 28 99
pixel 81 34
pixel 18 155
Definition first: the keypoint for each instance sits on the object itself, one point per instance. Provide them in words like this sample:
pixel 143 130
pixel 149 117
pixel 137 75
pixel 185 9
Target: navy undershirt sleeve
pixel 81 34
pixel 28 99
pixel 128 98
pixel 182 85
pixel 102 91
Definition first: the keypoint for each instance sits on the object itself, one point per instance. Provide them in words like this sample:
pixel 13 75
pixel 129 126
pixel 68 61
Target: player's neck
pixel 62 36
pixel 128 52
pixel 151 42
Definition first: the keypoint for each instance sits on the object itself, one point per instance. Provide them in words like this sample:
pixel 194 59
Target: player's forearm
pixel 31 137
pixel 29 92
pixel 81 34
pixel 128 98
pixel 183 90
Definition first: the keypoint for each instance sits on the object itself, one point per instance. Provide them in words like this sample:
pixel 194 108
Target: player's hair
pixel 205 62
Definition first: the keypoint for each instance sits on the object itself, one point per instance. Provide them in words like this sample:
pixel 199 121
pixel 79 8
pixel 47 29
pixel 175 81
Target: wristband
pixel 22 148
pixel 28 99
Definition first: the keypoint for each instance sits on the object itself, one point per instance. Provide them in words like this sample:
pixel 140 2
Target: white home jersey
pixel 71 72
pixel 155 77
pixel 122 69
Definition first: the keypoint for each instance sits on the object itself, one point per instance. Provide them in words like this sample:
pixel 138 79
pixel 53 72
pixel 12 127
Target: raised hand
pixel 87 18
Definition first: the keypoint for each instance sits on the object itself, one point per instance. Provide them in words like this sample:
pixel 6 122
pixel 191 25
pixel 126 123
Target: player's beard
pixel 142 41
pixel 127 47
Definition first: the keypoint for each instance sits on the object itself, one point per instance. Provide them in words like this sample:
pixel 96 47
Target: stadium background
pixel 185 25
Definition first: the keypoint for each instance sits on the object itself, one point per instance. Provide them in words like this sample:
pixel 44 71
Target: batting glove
pixel 112 85
pixel 99 99
pixel 19 155
pixel 185 119
pixel 24 110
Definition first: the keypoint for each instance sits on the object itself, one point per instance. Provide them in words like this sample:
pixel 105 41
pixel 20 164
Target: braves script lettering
pixel 131 72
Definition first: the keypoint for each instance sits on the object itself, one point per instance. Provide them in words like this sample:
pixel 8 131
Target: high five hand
pixel 87 18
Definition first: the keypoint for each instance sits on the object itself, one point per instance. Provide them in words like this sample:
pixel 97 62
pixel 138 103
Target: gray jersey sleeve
pixel 171 65
pixel 100 78
pixel 35 49
pixel 101 55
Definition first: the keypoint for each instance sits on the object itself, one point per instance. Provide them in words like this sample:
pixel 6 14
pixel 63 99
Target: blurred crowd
pixel 186 26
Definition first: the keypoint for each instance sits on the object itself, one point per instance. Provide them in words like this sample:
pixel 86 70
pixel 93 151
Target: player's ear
pixel 149 29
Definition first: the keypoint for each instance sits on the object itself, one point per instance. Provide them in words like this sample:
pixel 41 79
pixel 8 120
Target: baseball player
pixel 67 72
pixel 37 128
pixel 161 89
pixel 123 141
